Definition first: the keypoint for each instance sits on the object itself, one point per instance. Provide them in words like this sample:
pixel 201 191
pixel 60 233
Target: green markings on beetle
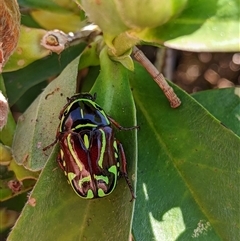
pixel 116 148
pixel 97 107
pixel 86 141
pixel 113 169
pixel 73 153
pixel 101 193
pixel 71 176
pixel 90 194
pixel 62 155
pixel 90 156
pixel 103 148
pixel 101 177
pixel 84 126
pixel 86 179
pixel 81 111
pixel 105 179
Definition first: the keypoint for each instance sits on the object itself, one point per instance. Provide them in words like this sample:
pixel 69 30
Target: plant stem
pixel 157 77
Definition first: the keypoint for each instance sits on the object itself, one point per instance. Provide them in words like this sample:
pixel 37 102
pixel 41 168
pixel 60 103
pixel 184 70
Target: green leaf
pixel 188 169
pixel 35 127
pixel 10 171
pixel 104 219
pixel 117 101
pixel 18 82
pixel 22 173
pixel 84 219
pixel 61 6
pixel 66 21
pixel 125 60
pixel 7 218
pixel 224 104
pixel 28 49
pixel 206 25
pixel 89 56
pixel 29 96
pixel 43 4
pixel 6 134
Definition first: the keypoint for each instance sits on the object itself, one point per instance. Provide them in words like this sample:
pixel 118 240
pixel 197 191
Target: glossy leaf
pixel 56 201
pixel 187 189
pixel 28 97
pixel 90 56
pixel 7 218
pixel 206 25
pixel 7 194
pixel 6 134
pixel 28 49
pixel 67 21
pixel 43 4
pixel 118 18
pixel 9 171
pixel 224 104
pixel 35 127
pixel 108 218
pixel 6 155
pixel 188 180
pixel 17 83
pixel 117 100
pixel 21 173
pixel 51 5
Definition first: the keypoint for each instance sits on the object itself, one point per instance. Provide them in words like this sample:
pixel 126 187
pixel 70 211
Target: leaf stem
pixel 157 77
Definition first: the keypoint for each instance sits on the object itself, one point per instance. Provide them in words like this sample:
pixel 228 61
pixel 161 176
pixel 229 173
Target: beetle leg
pixel 118 126
pixel 123 168
pixel 51 145
pixel 58 135
pixel 64 108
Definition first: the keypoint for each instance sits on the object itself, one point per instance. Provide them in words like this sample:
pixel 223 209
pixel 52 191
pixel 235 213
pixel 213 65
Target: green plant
pixel 184 161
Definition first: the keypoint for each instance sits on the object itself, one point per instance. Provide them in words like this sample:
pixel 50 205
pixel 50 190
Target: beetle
pixel 90 155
